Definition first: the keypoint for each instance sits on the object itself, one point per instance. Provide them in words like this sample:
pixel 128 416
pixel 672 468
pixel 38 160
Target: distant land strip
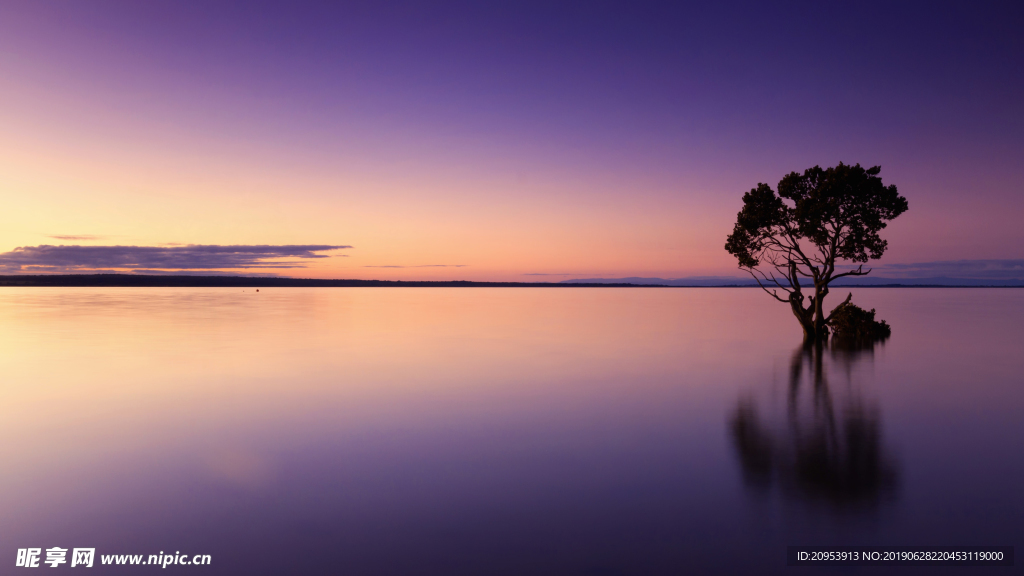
pixel 184 281
pixel 169 281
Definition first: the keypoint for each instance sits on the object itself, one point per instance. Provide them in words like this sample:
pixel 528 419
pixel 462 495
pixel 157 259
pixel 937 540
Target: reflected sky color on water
pixel 501 431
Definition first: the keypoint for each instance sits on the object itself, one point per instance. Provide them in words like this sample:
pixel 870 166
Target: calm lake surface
pixel 502 431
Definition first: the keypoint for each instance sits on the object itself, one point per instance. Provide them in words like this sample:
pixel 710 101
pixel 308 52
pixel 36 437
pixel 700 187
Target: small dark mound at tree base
pixel 853 325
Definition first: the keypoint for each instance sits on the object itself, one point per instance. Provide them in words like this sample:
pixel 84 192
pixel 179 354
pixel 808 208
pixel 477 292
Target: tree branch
pixel 845 302
pixel 770 292
pixel 857 272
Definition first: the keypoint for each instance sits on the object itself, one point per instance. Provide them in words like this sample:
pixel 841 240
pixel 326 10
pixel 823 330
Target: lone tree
pixel 817 218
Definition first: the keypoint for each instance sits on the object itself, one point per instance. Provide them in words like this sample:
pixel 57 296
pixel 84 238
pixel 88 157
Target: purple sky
pixel 611 139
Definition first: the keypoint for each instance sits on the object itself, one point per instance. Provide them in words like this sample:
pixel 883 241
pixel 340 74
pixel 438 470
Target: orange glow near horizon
pixel 400 227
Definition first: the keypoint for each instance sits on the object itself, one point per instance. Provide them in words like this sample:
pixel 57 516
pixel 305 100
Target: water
pixel 501 431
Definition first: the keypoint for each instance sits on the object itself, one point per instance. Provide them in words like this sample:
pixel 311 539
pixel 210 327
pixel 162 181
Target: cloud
pixel 76 237
pixel 201 273
pixel 978 269
pixel 50 259
pixel 422 266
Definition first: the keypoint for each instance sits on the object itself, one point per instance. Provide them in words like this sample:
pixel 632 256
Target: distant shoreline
pixel 160 281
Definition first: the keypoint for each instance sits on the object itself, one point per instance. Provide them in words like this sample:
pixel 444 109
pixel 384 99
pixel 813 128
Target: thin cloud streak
pixel 74 258
pixel 422 266
pixel 77 237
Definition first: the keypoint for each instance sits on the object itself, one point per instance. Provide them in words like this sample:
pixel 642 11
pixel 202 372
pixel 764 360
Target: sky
pixel 491 140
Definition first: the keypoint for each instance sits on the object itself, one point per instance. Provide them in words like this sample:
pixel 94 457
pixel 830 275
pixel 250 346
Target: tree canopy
pixel 817 218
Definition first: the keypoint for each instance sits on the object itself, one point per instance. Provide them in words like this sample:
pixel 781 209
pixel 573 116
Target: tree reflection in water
pixel 827 449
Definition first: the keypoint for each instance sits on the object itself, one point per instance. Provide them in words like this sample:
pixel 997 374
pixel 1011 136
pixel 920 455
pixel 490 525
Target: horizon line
pixel 215 280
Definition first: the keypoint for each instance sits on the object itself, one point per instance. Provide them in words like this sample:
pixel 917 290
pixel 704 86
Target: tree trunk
pixel 805 316
pixel 812 318
pixel 820 330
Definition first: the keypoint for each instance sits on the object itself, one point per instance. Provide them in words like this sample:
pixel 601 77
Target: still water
pixel 501 431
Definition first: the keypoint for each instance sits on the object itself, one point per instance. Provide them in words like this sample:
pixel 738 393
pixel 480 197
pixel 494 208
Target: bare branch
pixel 845 302
pixel 769 277
pixel 807 274
pixel 772 276
pixel 857 272
pixel 770 292
pixel 806 261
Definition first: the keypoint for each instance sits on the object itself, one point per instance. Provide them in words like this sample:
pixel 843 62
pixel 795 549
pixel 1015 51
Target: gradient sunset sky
pixel 509 139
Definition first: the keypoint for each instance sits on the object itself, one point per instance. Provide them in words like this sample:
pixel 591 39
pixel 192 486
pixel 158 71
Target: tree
pixel 817 218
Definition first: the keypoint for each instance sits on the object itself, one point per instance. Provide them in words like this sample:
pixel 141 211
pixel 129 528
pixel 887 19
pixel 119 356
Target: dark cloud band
pixel 981 269
pixel 191 257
